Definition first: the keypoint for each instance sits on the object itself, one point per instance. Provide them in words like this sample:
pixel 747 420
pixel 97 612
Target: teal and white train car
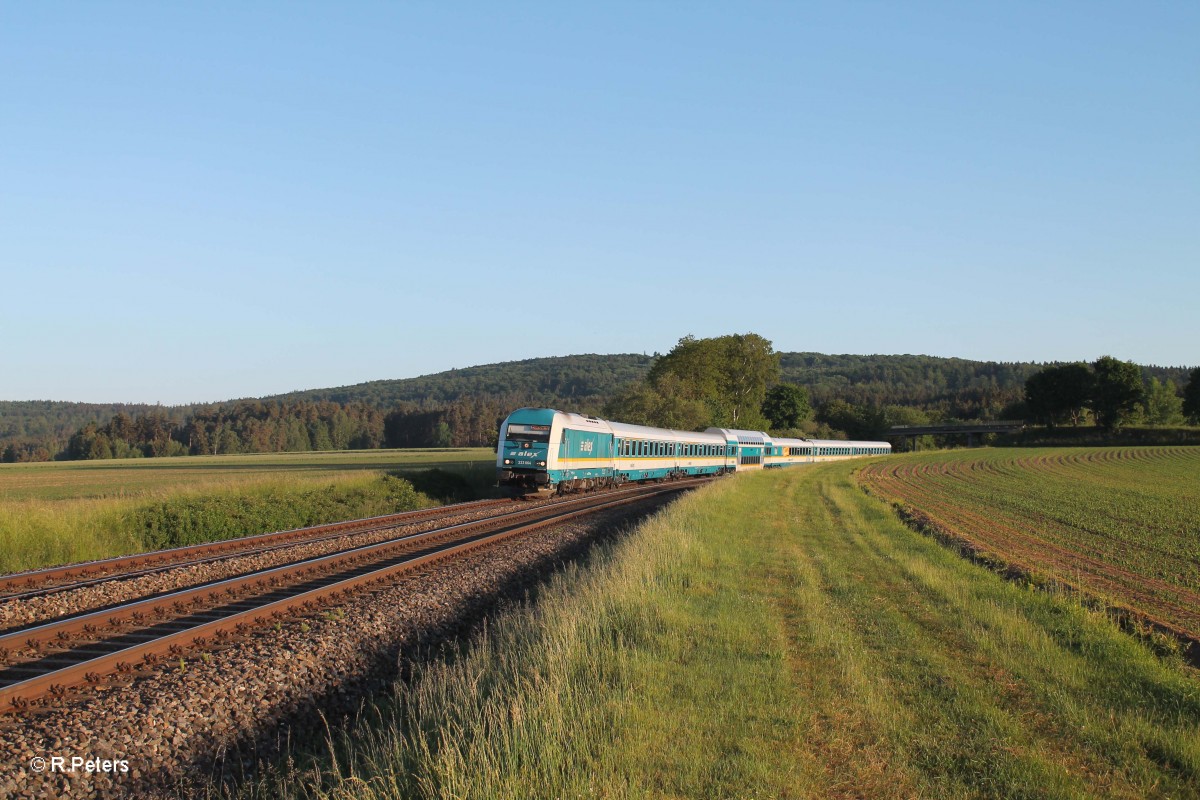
pixel 542 450
pixel 758 450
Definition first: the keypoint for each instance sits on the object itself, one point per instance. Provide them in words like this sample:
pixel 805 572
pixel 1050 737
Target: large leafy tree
pixel 728 374
pixel 786 406
pixel 667 405
pixel 1191 397
pixel 1163 404
pixel 1118 392
pixel 1060 393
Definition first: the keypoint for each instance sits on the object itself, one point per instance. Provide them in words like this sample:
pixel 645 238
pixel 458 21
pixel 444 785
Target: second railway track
pixel 51 658
pixel 54 580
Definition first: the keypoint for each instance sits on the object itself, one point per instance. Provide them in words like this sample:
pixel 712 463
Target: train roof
pixel 712 434
pixel 644 432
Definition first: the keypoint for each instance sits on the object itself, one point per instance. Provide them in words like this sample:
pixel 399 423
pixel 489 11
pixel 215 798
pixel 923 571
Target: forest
pixel 855 395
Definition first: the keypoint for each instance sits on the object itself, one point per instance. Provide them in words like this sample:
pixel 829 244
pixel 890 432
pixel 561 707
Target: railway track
pixel 53 658
pixel 55 580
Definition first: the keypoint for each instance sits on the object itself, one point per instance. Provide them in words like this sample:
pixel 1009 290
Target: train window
pixel 527 433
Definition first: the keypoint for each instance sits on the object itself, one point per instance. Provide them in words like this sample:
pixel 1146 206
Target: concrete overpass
pixel 972 430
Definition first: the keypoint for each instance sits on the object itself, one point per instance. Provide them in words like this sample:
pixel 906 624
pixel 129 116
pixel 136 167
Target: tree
pixel 1058 393
pixel 729 374
pixel 859 422
pixel 786 406
pixel 1118 391
pixel 668 405
pixel 441 435
pixel 1163 405
pixel 1191 397
pixel 750 365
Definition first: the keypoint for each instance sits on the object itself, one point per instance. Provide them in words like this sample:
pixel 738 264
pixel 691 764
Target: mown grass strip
pixel 779 635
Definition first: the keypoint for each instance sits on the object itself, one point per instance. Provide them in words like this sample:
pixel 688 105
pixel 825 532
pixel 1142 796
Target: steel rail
pixel 121 567
pixel 422 515
pixel 149 645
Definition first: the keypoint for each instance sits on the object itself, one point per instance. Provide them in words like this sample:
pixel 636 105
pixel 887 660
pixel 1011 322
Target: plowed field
pixel 1119 523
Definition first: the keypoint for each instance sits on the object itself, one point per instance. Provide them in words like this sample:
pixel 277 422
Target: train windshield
pixel 528 433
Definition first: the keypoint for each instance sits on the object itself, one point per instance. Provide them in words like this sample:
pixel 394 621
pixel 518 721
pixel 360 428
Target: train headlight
pixel 508 462
pixel 541 463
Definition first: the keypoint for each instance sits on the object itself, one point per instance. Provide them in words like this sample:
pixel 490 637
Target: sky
pixel 203 201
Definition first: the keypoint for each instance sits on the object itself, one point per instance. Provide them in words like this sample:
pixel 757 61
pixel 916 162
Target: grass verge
pixel 777 635
pixel 64 512
pixel 35 534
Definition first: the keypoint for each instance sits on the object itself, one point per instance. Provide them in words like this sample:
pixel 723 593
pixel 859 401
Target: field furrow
pixel 1121 524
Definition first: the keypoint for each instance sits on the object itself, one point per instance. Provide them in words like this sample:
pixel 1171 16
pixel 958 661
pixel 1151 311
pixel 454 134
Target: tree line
pixel 728 381
pixel 286 427
pixel 1110 392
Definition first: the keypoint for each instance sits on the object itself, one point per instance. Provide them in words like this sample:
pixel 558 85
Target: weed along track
pixel 82 648
pixel 37 583
pixel 92 586
pixel 1120 524
pixel 269 639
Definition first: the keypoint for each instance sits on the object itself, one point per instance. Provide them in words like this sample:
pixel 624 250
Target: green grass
pixel 778 635
pixel 80 511
pixel 141 477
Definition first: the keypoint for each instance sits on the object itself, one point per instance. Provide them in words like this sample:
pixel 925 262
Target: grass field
pixel 779 635
pixel 141 477
pixel 62 512
pixel 1122 524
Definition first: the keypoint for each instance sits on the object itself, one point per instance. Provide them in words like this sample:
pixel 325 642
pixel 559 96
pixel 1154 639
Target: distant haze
pixel 203 202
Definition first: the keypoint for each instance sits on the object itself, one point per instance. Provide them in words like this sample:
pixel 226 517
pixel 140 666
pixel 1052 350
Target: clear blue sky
pixel 201 201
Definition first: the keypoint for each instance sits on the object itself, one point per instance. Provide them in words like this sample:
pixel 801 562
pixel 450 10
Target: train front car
pixel 523 452
pixel 543 451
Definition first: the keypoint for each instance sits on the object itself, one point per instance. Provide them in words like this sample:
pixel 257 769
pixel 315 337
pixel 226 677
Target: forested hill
pixel 586 382
pixel 470 401
pixel 575 382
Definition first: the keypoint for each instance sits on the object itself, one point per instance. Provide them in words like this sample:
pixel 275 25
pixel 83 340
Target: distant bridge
pixel 972 430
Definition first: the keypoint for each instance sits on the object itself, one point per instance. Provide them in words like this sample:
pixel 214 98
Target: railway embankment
pixel 214 712
pixel 775 634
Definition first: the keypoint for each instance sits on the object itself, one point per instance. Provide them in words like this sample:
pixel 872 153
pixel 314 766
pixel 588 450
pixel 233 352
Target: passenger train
pixel 543 451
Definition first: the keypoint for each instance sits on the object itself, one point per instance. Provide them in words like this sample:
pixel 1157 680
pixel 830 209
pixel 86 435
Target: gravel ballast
pixel 169 730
